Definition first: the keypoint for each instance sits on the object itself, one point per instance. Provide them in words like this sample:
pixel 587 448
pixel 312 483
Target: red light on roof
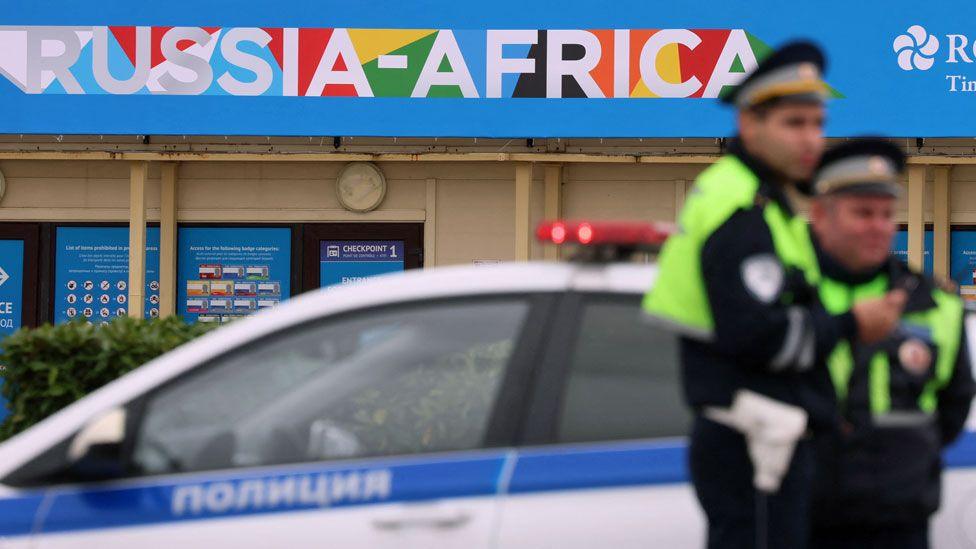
pixel 584 234
pixel 557 233
pixel 604 232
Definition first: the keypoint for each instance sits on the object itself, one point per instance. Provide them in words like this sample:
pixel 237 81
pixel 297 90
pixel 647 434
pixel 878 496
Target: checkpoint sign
pixel 347 261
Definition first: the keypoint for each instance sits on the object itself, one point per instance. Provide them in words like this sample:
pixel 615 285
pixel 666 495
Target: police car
pixel 515 405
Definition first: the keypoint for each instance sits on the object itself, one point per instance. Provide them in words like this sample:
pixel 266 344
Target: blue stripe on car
pixel 290 489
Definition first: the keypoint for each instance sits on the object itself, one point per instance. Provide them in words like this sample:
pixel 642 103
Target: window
pixel 404 380
pixel 623 377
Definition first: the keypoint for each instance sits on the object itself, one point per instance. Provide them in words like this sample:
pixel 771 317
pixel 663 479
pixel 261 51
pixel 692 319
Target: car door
pixel 604 460
pixel 954 526
pixel 379 428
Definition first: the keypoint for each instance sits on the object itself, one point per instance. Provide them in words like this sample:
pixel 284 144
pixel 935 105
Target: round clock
pixel 361 187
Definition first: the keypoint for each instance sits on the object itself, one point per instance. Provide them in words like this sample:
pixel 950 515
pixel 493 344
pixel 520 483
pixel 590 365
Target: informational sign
pixel 346 261
pixel 230 272
pixel 899 248
pixel 11 286
pixel 962 262
pixel 507 68
pixel 91 273
pixel 11 296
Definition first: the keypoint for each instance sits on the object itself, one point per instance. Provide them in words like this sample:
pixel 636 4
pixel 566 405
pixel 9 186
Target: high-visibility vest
pixel 944 323
pixel 678 297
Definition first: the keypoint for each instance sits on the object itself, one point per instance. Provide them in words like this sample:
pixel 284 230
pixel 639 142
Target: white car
pixel 515 405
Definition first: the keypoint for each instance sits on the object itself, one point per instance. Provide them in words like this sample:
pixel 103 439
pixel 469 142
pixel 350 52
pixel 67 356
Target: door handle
pixel 438 519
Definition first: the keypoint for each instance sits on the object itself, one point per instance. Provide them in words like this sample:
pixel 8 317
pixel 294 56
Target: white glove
pixel 771 429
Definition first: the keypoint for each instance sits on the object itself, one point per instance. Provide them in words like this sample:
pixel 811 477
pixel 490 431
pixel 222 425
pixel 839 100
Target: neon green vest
pixel 678 296
pixel 944 321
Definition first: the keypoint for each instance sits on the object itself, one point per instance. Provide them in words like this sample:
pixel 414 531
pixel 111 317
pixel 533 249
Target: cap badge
pixel 808 71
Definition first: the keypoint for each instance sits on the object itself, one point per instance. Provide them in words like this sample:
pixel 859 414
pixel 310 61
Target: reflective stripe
pixel 840 364
pixel 793 343
pixel 879 384
pixel 971 338
pixel 946 324
pixel 902 419
pixel 808 351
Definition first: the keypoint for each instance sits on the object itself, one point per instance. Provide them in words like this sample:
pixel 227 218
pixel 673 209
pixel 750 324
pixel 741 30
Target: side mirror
pixel 95 452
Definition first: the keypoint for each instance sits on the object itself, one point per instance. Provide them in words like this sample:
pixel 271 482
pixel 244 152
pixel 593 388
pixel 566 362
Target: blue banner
pixel 11 296
pixel 962 257
pixel 229 272
pixel 11 286
pixel 443 68
pixel 962 262
pixel 346 261
pixel 91 273
pixel 899 248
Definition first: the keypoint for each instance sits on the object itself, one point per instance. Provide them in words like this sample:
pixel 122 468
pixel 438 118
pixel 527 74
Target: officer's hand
pixel 876 318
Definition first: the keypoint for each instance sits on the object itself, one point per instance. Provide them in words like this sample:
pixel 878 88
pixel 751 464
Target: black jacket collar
pixel 918 286
pixel 769 186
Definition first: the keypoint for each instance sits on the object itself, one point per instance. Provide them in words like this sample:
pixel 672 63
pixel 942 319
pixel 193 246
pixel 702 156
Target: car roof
pixel 414 285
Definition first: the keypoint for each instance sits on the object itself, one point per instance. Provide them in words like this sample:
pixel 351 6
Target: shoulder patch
pixel 763 276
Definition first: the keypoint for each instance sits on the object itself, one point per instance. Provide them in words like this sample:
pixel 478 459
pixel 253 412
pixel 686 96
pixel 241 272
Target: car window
pixel 405 380
pixel 623 376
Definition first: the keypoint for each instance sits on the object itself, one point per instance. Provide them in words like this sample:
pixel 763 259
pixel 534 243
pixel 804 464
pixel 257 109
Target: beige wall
pixel 475 212
pixel 962 195
pixel 475 201
pixel 475 216
pixel 623 192
pixel 71 190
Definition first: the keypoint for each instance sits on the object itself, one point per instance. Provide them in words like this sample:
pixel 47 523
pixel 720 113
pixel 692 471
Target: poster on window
pixel 11 286
pixel 348 261
pixel 11 296
pixel 962 262
pixel 899 249
pixel 91 273
pixel 227 273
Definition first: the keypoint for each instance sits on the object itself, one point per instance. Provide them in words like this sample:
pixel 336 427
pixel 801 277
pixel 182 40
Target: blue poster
pixel 11 285
pixel 230 272
pixel 91 273
pixel 345 261
pixel 899 248
pixel 11 294
pixel 962 262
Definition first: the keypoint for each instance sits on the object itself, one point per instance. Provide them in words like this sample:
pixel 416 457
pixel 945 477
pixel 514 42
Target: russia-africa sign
pixel 419 63
pixel 439 68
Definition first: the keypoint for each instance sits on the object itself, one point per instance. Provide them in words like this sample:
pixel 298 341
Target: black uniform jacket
pixel 873 473
pixel 772 335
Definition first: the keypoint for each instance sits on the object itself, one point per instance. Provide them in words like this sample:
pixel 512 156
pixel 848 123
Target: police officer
pixel 901 400
pixel 737 282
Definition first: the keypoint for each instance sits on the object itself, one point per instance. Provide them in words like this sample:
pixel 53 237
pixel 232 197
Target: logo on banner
pixel 409 63
pixel 916 49
pixel 3 276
